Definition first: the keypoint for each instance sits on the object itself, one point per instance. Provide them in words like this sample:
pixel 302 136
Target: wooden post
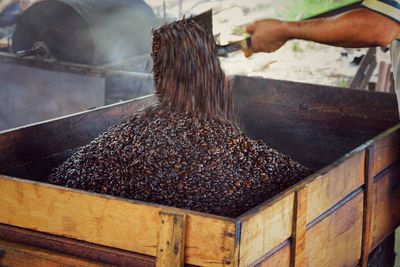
pixel 368 184
pixel 171 240
pixel 366 69
pixel 384 77
pixel 299 228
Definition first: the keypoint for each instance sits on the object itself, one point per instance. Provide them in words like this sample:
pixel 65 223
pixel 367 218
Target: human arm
pixel 357 28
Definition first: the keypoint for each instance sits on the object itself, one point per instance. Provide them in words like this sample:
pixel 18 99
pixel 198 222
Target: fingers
pixel 249 29
pixel 248 52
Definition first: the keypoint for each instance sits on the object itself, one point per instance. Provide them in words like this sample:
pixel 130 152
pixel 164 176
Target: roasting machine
pixel 85 31
pixel 70 55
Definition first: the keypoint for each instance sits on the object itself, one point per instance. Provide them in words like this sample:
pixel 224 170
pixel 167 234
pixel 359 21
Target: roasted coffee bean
pixel 186 151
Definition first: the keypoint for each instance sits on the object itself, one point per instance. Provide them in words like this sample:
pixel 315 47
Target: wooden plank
pixel 29 152
pixel 386 205
pixel 384 77
pixel 315 98
pixel 386 152
pixel 76 248
pixel 368 189
pixel 238 231
pixel 330 188
pixel 365 70
pixel 313 124
pixel 280 258
pixel 171 240
pixel 17 255
pixel 299 227
pixel 265 229
pixel 113 222
pixel 336 240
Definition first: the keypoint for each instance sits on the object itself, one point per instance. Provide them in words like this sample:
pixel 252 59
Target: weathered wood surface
pixel 31 152
pixel 299 227
pixel 336 240
pixel 313 124
pixel 265 228
pixel 385 205
pixel 110 222
pixel 72 247
pixel 367 213
pixel 386 152
pixel 17 255
pixel 360 227
pixel 365 70
pixel 171 240
pixel 333 186
pixel 280 258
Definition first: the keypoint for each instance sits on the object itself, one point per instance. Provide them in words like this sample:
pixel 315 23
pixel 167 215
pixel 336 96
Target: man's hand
pixel 357 28
pixel 267 36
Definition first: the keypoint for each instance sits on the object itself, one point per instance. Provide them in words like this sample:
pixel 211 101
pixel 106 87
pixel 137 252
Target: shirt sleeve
pixel 389 8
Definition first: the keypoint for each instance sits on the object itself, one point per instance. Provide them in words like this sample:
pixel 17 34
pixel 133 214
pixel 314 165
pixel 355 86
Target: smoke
pixel 121 29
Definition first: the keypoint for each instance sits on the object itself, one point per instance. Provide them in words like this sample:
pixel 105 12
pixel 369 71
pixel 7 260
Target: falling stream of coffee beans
pixel 186 151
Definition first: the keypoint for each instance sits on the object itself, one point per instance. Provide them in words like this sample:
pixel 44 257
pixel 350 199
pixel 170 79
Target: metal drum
pixel 87 31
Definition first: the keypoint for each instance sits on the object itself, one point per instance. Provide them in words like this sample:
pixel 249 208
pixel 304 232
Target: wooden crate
pixel 334 217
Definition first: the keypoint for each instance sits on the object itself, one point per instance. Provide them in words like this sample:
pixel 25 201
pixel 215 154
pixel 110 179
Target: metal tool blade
pixel 205 20
pixel 224 50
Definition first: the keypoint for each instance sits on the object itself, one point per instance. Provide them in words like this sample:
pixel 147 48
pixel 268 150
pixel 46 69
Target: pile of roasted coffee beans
pixel 185 152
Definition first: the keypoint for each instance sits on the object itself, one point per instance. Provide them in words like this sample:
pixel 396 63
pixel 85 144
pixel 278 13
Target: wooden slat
pixel 109 221
pixel 17 255
pixel 33 151
pixel 336 240
pixel 266 229
pixel 299 228
pixel 171 240
pixel 386 152
pixel 75 248
pixel 313 124
pixel 327 190
pixel 368 189
pixel 384 77
pixel 386 205
pixel 280 258
pixel 365 70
